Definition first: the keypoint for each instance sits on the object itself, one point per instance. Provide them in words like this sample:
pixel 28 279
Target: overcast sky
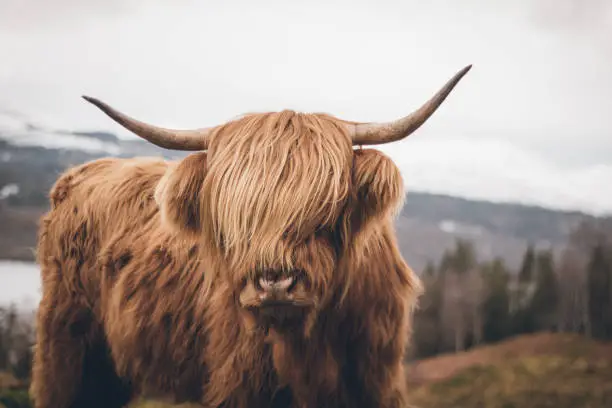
pixel 532 121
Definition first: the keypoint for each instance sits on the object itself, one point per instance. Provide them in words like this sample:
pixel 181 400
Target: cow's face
pixel 276 186
pixel 277 200
pixel 280 200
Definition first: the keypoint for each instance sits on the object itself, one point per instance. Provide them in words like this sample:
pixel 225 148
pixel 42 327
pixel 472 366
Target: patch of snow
pixel 453 227
pixel 16 130
pixel 8 190
pixel 448 226
pixel 63 141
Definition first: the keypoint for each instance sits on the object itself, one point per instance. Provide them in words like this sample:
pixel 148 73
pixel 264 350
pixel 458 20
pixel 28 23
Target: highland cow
pixel 262 270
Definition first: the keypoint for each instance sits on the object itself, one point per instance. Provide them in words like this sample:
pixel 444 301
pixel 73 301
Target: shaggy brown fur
pixel 147 267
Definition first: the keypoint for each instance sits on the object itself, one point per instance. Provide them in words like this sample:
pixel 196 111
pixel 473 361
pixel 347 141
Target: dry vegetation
pixel 572 346
pixel 542 370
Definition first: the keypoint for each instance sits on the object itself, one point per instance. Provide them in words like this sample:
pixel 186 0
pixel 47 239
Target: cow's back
pixel 90 204
pixel 106 190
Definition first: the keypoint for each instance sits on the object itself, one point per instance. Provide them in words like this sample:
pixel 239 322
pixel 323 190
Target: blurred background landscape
pixel 508 214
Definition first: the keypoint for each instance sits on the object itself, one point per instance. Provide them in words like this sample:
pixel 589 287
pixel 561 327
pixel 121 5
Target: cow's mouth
pixel 278 297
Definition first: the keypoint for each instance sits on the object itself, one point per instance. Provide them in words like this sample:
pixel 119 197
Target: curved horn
pixel 166 138
pixel 379 133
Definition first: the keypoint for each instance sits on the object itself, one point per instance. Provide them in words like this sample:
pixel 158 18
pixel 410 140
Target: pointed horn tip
pixel 465 70
pixel 93 101
pixel 99 104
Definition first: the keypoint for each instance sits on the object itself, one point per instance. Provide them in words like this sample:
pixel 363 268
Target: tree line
pixel 16 340
pixel 468 303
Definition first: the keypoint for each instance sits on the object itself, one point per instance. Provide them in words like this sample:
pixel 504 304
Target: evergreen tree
pixel 521 294
pixel 430 270
pixel 496 305
pixel 427 332
pixel 599 274
pixel 526 272
pixel 545 298
pixel 464 257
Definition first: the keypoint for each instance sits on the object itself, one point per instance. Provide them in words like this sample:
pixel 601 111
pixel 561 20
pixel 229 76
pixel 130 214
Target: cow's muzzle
pixel 277 295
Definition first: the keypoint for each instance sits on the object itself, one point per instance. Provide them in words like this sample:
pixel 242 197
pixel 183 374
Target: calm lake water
pixel 19 284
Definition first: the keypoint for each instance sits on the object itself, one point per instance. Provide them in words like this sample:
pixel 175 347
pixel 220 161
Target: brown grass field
pixel 536 371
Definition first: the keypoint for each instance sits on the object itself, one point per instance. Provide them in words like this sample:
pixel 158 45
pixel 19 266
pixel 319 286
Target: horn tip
pixel 89 98
pixel 96 102
pixel 466 69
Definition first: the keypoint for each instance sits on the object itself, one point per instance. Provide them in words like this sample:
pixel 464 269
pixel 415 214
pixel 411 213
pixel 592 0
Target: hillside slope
pixel 537 371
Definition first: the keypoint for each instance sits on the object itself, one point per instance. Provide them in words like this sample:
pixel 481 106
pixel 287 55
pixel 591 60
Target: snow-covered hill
pixel 19 130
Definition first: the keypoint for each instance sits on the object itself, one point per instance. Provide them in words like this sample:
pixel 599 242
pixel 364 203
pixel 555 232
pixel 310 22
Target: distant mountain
pixel 430 223
pixel 101 136
pixel 31 158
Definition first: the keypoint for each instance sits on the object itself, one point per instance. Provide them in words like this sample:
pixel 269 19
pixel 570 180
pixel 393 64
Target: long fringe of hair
pixel 274 179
